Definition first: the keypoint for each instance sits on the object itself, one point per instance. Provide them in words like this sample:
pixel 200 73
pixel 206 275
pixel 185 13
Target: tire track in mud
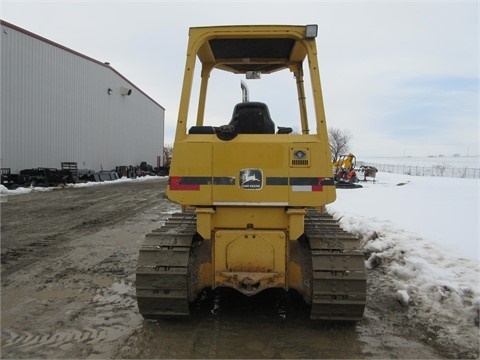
pixel 30 341
pixel 113 304
pixel 66 214
pixel 76 298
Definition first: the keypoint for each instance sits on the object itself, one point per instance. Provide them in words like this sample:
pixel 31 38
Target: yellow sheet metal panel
pixel 190 181
pixel 251 170
pixel 205 217
pixel 244 217
pixel 250 260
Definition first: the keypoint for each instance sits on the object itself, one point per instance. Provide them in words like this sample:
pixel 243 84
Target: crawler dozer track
pixel 162 268
pixel 338 270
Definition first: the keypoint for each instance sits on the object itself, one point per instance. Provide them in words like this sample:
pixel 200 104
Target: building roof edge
pixel 50 42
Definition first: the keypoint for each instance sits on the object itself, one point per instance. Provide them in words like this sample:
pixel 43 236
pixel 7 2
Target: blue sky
pixel 401 76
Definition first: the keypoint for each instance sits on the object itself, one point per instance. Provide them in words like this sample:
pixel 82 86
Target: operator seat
pixel 252 118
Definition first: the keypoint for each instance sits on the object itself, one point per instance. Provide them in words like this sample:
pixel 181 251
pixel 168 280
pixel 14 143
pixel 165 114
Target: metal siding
pixel 55 107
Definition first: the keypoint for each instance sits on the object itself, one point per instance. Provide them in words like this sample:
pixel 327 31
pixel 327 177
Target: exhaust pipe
pixel 244 91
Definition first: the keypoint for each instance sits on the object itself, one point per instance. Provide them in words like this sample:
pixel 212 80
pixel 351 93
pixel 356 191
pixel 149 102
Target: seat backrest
pixel 252 118
pixel 202 130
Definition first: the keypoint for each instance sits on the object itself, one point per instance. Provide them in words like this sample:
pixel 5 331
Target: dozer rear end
pixel 254 196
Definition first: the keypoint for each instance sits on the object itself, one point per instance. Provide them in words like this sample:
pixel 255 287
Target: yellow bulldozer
pixel 253 194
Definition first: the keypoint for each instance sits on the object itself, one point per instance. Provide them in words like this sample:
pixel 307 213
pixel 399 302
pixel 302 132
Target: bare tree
pixel 168 148
pixel 441 168
pixel 339 142
pixel 167 154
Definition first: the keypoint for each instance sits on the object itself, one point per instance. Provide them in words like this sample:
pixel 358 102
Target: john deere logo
pixel 251 179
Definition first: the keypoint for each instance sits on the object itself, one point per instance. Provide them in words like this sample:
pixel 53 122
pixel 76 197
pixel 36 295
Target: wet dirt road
pixel 68 291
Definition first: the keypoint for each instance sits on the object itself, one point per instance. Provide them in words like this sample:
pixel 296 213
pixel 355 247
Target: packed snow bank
pixel 424 233
pixel 18 191
pixel 442 210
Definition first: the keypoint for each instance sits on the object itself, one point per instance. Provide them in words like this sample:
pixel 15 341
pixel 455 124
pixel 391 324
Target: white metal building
pixel 58 105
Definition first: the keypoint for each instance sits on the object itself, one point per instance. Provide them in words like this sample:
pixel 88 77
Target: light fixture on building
pixel 125 91
pixel 109 91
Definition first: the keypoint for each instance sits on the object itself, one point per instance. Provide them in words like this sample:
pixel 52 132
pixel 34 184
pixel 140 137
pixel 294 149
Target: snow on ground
pixel 453 161
pixel 425 232
pixel 442 210
pixel 25 190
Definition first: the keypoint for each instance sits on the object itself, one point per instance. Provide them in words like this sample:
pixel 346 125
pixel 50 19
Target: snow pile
pixel 424 234
pixel 18 191
pixel 26 190
pixel 121 180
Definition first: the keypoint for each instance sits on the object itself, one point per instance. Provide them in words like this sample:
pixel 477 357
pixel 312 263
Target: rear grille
pixel 300 163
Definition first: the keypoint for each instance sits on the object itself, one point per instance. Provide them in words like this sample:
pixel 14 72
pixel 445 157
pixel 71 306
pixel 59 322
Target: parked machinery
pixel 253 195
pixel 344 171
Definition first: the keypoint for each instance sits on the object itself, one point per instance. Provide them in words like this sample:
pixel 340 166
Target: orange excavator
pixel 344 172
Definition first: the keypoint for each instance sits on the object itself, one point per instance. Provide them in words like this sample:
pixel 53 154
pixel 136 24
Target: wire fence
pixel 441 170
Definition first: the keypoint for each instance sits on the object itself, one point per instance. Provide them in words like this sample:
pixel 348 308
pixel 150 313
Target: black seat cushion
pixel 252 118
